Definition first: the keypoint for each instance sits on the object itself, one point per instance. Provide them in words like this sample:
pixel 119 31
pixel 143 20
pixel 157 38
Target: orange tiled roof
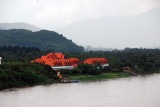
pixel 95 60
pixel 56 59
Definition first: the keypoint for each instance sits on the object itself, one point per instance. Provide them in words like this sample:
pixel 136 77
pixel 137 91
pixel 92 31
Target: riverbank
pixel 127 92
pixel 101 76
pixel 30 74
pixel 25 74
pixel 83 78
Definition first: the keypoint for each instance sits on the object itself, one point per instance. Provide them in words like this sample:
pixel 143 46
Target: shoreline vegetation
pixel 14 75
pixel 101 77
pixel 17 71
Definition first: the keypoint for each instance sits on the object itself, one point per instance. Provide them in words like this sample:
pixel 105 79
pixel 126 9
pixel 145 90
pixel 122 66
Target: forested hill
pixel 43 39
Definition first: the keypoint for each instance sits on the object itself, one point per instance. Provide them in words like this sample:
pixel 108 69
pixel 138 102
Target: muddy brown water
pixel 141 91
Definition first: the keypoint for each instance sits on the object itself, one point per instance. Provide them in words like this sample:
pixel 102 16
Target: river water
pixel 142 91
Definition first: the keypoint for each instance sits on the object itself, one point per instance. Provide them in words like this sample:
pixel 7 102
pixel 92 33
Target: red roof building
pixel 93 61
pixel 58 61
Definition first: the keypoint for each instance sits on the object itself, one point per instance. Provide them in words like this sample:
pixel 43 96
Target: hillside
pixel 41 39
pixel 18 25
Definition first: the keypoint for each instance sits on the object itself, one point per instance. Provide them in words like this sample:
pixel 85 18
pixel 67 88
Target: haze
pixel 98 23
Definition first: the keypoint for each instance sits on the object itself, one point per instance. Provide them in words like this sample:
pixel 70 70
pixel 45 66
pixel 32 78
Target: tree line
pixel 16 69
pixel 141 60
pixel 144 60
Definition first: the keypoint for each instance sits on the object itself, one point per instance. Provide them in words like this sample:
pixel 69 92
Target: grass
pixel 157 71
pixel 100 77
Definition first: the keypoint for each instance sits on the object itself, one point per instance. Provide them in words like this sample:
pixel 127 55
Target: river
pixel 141 91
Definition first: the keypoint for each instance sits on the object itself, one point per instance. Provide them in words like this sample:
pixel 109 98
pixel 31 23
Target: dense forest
pixel 144 60
pixel 43 40
pixel 16 69
pixel 21 54
pixel 23 74
pixel 140 60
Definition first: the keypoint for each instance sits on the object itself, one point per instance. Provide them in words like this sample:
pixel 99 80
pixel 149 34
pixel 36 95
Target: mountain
pixel 1 27
pixel 19 25
pixel 43 39
pixel 117 31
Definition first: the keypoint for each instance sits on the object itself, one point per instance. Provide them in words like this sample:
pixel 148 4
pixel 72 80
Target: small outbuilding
pixel 0 60
pixel 127 68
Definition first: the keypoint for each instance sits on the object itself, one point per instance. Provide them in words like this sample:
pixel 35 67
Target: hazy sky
pixel 53 14
pixel 50 14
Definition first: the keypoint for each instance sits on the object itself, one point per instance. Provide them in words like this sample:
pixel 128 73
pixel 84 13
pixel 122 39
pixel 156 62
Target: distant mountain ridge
pixel 18 25
pixel 43 39
pixel 141 30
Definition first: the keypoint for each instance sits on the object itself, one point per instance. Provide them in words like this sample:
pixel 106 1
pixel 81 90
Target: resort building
pixel 104 62
pixel 58 61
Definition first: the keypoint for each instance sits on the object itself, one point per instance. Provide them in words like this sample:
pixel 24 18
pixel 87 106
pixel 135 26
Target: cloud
pixel 60 14
pixel 56 13
pixel 63 12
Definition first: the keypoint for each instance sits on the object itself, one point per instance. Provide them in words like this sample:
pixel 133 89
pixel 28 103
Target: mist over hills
pixel 105 33
pixel 18 25
pixel 43 40
pixel 117 31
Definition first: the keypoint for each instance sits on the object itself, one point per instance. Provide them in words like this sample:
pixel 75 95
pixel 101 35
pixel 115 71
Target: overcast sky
pixel 50 14
pixel 53 14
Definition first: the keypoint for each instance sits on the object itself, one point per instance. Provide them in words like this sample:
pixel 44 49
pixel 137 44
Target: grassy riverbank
pixel 101 76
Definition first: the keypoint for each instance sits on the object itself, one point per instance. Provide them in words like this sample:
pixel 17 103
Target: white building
pixel 62 67
pixel 0 60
